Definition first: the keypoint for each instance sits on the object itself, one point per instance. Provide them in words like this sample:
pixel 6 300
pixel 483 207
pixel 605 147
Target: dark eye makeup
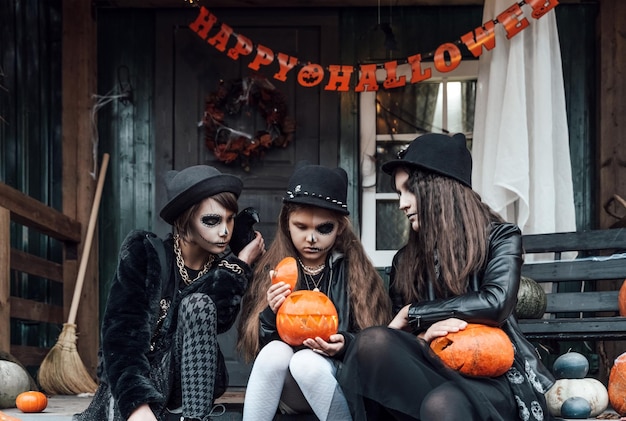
pixel 325 228
pixel 210 220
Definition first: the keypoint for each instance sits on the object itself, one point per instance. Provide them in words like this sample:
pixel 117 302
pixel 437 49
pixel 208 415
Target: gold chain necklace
pixel 181 263
pixel 312 270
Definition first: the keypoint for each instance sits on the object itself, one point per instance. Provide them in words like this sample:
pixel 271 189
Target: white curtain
pixel 521 144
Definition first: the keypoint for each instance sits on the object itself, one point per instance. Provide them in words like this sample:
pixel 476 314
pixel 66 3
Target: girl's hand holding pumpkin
pixel 334 345
pixel 277 293
pixel 442 328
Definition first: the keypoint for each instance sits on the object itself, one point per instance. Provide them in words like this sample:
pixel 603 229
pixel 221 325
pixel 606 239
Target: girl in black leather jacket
pixel 314 228
pixel 461 265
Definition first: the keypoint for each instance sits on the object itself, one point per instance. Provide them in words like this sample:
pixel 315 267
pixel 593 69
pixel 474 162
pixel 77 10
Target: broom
pixel 62 372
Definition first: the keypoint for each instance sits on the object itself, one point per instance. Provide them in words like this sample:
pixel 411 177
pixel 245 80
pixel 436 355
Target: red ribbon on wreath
pixel 232 114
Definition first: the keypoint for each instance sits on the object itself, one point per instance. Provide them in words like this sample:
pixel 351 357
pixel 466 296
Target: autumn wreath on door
pixel 244 119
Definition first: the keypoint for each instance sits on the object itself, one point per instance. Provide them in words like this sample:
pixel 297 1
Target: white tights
pixel 313 373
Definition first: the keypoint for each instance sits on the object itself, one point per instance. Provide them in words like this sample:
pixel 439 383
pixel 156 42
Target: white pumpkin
pixel 13 381
pixel 588 388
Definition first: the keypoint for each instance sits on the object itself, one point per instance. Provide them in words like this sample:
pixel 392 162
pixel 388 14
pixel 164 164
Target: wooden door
pixel 188 69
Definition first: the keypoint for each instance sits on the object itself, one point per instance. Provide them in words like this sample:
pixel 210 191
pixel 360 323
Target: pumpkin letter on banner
pixel 264 56
pixel 509 20
pixel 454 54
pixel 392 80
pixel 367 81
pixel 243 47
pixel 541 7
pixel 310 75
pixel 339 79
pixel 203 23
pixel 285 63
pixel 483 35
pixel 220 39
pixel 416 69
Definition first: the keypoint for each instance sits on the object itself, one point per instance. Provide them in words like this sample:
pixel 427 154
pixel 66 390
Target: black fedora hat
pixel 316 185
pixel 440 153
pixel 187 187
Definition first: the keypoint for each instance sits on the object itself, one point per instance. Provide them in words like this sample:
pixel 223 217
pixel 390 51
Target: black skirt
pixel 398 370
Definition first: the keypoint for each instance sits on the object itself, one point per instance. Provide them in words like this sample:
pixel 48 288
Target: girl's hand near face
pixel 442 328
pixel 334 345
pixel 401 321
pixel 277 293
pixel 251 252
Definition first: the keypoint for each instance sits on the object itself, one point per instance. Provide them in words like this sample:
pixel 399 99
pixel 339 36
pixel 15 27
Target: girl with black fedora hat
pixel 461 265
pixel 169 299
pixel 314 228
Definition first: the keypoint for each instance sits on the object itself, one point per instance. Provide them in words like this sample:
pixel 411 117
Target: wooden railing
pixel 28 212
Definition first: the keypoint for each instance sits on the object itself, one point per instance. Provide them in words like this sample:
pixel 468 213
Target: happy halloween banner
pixel 446 57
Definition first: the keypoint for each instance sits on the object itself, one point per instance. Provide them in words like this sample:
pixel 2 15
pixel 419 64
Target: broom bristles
pixel 62 372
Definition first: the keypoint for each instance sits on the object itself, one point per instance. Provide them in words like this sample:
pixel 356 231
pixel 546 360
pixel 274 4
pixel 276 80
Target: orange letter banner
pixel 446 57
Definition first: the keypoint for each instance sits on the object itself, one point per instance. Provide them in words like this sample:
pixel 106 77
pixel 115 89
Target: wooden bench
pixel 582 300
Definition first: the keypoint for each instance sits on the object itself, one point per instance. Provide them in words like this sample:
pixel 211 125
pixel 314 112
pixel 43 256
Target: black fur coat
pixel 133 308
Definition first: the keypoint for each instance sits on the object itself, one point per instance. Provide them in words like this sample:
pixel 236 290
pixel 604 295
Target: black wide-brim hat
pixel 440 153
pixel 192 185
pixel 319 186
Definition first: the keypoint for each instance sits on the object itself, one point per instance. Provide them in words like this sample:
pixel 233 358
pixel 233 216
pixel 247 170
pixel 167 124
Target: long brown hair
pixel 369 300
pixel 454 227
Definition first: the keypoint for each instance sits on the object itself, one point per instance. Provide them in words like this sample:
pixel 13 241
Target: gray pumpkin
pixel 531 300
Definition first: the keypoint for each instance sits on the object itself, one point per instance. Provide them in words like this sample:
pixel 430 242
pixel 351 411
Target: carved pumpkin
pixel 590 389
pixel 286 271
pixel 622 299
pixel 477 350
pixel 617 385
pixel 31 401
pixel 306 314
pixel 531 300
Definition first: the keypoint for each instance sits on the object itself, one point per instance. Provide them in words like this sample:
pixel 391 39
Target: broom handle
pixel 88 240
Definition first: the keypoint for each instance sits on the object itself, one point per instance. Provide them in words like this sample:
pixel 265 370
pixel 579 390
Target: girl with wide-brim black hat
pixel 460 265
pixel 313 227
pixel 169 300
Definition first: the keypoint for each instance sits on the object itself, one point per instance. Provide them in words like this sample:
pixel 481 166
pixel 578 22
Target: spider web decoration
pixel 244 119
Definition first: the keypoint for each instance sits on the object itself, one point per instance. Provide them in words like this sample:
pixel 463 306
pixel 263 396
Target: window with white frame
pixel 389 121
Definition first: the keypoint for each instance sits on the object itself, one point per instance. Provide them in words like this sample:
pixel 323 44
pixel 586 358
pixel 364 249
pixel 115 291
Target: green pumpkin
pixel 531 300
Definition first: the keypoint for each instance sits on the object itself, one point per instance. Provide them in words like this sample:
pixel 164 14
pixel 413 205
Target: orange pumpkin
pixel 617 385
pixel 31 401
pixel 7 417
pixel 286 271
pixel 477 350
pixel 306 314
pixel 622 299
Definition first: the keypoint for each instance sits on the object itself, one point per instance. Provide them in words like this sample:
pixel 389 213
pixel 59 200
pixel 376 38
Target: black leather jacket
pixel 492 298
pixel 338 294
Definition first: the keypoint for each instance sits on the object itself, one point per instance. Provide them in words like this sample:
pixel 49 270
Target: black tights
pixel 444 403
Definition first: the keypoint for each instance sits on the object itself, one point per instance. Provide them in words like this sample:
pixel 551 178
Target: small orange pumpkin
pixel 622 299
pixel 617 385
pixel 306 314
pixel 477 350
pixel 286 271
pixel 31 401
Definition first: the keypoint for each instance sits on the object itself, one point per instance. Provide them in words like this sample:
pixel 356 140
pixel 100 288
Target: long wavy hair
pixel 369 300
pixel 454 226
